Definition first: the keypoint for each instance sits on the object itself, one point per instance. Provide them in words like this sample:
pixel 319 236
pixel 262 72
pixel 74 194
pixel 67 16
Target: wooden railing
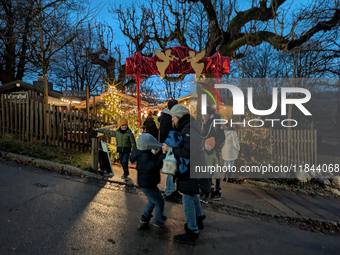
pixel 26 119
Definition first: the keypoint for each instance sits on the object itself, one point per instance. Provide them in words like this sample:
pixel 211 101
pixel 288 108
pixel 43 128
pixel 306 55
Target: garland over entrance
pixel 175 60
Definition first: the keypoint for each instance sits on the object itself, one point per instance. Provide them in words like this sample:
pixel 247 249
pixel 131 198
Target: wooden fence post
pixel 2 126
pixel 95 154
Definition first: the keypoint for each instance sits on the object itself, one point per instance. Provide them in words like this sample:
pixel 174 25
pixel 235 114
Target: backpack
pixel 218 131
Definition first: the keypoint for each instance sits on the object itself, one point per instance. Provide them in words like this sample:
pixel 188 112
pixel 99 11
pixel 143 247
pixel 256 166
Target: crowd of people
pixel 208 143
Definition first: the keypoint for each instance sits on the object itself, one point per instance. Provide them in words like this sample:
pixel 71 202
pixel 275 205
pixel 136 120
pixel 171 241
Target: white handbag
pixel 169 163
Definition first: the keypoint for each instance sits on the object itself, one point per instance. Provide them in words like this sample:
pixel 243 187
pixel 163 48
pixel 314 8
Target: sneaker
pixel 171 198
pixel 124 177
pixel 144 223
pixel 204 199
pixel 160 226
pixel 216 195
pixel 106 174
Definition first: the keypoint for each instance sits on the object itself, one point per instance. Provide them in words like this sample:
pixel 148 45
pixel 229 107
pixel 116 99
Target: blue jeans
pixel 218 185
pixel 228 164
pixel 193 209
pixel 124 161
pixel 169 185
pixel 155 200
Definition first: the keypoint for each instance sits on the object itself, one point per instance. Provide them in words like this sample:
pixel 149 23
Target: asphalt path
pixel 43 212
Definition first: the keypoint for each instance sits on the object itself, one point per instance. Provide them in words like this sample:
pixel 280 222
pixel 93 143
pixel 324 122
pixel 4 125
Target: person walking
pixel 216 131
pixel 212 160
pixel 171 194
pixel 148 167
pixel 125 141
pixel 189 129
pixel 150 126
pixel 155 118
pixel 230 151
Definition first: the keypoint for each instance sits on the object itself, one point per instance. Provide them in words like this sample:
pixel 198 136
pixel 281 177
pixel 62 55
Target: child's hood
pixel 148 142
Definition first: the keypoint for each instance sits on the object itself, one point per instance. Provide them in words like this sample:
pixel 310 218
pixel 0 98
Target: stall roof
pixel 99 98
pixel 12 87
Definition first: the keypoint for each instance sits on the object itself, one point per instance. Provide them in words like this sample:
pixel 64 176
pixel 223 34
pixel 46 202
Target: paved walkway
pixel 247 197
pixel 264 200
pixel 44 212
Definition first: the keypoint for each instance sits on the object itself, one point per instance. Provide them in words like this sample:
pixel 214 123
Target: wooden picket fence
pixel 26 118
pixel 293 146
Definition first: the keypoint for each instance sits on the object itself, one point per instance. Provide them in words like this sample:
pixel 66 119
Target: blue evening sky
pixel 120 38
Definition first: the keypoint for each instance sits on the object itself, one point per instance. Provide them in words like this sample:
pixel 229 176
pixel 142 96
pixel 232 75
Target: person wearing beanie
pixel 148 168
pixel 165 126
pixel 212 160
pixel 171 103
pixel 190 131
pixel 125 141
pixel 150 126
pixel 179 110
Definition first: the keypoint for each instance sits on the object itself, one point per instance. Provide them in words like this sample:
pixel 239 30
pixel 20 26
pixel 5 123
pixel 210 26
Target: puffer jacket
pixel 192 134
pixel 125 140
pixel 148 167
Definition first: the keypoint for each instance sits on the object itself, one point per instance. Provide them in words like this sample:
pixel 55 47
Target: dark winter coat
pixel 192 133
pixel 150 126
pixel 125 140
pixel 165 125
pixel 217 132
pixel 148 167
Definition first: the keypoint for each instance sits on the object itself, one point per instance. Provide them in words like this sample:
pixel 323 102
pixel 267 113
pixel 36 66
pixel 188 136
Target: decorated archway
pixel 175 60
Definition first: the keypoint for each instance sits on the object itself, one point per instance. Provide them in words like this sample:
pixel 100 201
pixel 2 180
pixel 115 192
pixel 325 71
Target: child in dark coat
pixel 148 168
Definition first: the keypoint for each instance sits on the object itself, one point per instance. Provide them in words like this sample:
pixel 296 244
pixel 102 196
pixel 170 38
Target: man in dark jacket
pixel 165 125
pixel 148 168
pixel 210 131
pixel 171 194
pixel 217 133
pixel 150 126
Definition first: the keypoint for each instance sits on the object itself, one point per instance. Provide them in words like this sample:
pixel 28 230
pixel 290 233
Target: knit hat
pixel 171 103
pixel 211 142
pixel 147 142
pixel 123 122
pixel 210 110
pixel 179 110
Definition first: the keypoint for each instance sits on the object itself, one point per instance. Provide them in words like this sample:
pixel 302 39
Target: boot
pixel 199 220
pixel 187 238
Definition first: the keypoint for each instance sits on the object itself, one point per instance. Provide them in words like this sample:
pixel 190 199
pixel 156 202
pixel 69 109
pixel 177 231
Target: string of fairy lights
pixel 156 95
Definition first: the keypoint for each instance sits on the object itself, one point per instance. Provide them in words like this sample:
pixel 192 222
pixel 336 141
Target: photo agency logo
pixel 239 105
